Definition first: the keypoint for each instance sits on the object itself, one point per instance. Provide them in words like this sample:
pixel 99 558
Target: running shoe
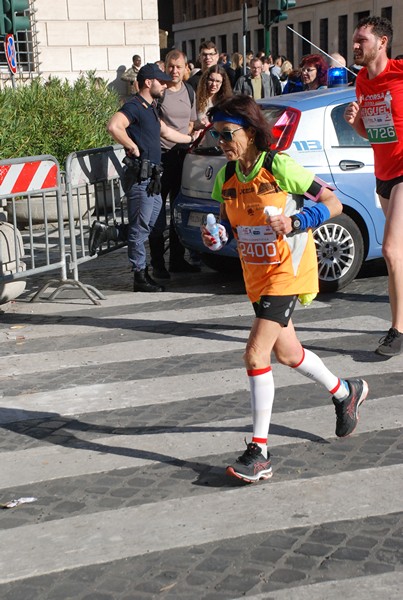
pixel 347 410
pixel 252 465
pixel 391 344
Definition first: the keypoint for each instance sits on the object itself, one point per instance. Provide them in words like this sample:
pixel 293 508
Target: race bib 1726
pixel 376 112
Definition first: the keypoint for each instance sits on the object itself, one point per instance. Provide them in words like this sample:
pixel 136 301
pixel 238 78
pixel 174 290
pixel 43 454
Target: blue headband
pixel 222 116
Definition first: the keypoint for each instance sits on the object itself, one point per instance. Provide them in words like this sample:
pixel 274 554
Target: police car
pixel 310 127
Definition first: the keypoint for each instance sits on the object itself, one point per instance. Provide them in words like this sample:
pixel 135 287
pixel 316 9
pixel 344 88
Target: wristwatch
pixel 295 223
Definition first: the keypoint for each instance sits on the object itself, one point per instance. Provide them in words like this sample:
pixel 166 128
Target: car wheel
pixel 340 250
pixel 222 264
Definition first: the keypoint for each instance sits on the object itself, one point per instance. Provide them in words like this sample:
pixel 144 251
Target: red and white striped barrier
pixel 28 177
pixel 36 198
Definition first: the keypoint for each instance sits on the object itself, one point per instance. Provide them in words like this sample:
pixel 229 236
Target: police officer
pixel 138 128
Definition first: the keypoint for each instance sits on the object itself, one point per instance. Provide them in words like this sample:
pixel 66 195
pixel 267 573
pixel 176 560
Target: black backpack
pixel 294 202
pixel 267 164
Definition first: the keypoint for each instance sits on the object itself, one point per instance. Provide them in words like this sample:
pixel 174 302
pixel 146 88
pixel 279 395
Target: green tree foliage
pixel 56 117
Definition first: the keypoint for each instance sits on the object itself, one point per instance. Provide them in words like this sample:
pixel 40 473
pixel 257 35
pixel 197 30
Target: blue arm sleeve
pixel 313 216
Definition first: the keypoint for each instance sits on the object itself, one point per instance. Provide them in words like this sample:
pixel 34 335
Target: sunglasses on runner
pixel 226 136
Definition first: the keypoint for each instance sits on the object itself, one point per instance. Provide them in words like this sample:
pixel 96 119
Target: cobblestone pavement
pixel 119 420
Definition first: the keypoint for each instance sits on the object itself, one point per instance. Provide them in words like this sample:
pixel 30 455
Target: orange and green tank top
pixel 272 265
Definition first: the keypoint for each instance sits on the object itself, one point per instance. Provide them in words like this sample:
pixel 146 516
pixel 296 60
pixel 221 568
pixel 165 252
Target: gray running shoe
pixel 347 410
pixel 391 344
pixel 252 465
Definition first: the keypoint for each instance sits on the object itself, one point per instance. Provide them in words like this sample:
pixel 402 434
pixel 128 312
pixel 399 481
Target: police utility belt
pixel 141 169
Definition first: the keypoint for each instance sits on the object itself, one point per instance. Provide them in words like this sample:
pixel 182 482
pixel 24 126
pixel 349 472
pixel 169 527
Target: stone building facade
pixel 69 37
pixel 329 24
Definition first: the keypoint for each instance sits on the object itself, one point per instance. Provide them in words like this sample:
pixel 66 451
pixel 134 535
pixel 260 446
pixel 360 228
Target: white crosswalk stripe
pixel 178 345
pixel 150 531
pixel 77 447
pixel 26 466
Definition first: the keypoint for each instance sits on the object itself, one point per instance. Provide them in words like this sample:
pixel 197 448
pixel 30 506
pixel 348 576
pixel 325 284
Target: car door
pixel 351 163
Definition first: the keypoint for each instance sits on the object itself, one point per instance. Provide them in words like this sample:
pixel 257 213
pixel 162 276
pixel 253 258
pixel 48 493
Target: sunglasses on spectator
pixel 226 136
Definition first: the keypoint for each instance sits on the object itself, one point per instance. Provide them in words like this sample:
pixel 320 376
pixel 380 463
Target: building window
pixel 191 10
pixel 361 15
pixel 386 13
pixel 343 42
pixel 260 41
pixel 248 43
pixel 235 46
pixel 274 42
pixel 223 43
pixel 192 53
pixel 306 32
pixel 324 34
pixel 290 44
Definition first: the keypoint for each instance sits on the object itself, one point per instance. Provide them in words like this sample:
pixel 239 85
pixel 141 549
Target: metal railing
pixel 93 186
pixel 31 187
pixel 54 215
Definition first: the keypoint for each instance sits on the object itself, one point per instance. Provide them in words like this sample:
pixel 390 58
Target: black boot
pixel 156 244
pixel 100 234
pixel 144 283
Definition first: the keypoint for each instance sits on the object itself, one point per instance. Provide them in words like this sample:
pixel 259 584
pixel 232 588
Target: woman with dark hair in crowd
pixel 214 85
pixel 313 69
pixel 277 252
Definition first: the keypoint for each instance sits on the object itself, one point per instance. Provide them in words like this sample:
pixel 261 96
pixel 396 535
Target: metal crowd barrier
pixel 50 217
pixel 30 194
pixel 94 190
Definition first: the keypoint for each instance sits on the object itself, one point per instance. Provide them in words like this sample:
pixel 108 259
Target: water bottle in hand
pixel 214 230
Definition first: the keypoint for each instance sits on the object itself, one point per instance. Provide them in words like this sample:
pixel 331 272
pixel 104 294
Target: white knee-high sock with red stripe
pixel 262 394
pixel 313 367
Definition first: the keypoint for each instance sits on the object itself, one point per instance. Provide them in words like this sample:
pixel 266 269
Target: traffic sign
pixel 9 49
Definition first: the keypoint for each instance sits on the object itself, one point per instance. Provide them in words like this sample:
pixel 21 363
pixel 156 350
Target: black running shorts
pixel 384 188
pixel 275 308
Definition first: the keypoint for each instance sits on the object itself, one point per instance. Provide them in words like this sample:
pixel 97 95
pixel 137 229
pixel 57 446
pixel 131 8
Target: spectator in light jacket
pixel 257 84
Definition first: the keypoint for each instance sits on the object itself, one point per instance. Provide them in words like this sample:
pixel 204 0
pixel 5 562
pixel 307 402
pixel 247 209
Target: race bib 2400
pixel 258 245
